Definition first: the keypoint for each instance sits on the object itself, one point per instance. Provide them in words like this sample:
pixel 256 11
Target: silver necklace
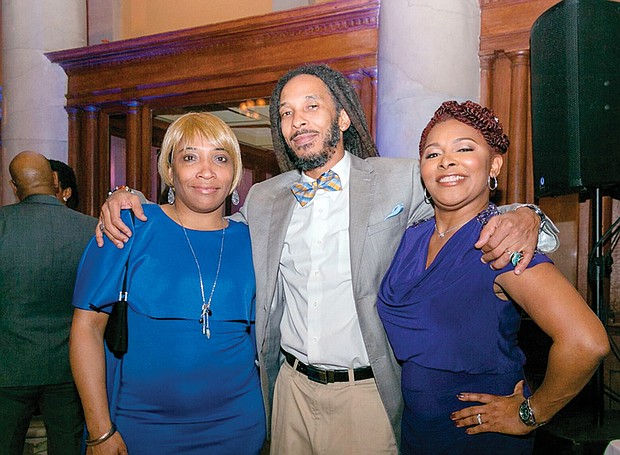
pixel 205 311
pixel 443 234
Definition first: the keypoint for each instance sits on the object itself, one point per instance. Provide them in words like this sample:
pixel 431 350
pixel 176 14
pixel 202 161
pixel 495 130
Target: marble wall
pixel 33 114
pixel 428 53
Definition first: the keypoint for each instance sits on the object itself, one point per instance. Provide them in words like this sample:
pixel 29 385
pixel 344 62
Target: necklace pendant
pixel 441 235
pixel 204 320
pixel 205 312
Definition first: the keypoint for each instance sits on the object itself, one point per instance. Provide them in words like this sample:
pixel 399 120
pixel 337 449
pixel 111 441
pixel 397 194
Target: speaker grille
pixel 575 73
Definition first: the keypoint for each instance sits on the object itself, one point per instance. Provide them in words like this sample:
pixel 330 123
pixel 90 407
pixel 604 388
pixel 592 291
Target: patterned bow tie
pixel 304 192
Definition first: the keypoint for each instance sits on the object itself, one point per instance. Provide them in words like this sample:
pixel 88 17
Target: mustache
pixel 300 132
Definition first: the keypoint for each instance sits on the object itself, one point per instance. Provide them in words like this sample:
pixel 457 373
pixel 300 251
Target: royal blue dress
pixel 175 391
pixel 451 334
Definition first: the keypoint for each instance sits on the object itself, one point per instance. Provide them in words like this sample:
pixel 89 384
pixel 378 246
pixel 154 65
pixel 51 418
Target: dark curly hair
pixel 480 118
pixel 66 179
pixel 357 138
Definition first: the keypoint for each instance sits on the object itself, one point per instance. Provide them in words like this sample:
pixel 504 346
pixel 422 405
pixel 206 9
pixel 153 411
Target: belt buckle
pixel 316 375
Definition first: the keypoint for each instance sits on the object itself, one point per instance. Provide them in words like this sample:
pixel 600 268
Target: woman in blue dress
pixel 188 383
pixel 453 321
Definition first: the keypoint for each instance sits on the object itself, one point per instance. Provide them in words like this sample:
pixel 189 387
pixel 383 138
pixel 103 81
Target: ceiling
pixel 249 120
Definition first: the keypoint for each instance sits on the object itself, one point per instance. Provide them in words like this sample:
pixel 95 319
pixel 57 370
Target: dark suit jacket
pixel 377 187
pixel 41 242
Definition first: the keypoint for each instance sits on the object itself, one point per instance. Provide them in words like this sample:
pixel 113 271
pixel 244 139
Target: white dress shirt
pixel 320 324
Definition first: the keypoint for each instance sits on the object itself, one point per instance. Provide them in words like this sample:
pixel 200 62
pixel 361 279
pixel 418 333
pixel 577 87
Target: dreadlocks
pixel 357 138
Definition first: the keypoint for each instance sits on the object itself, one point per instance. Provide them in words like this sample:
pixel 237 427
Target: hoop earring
pixel 427 196
pixel 234 197
pixel 492 186
pixel 171 195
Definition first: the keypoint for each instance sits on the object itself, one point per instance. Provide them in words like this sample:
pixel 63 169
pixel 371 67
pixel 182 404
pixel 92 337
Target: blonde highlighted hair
pixel 194 126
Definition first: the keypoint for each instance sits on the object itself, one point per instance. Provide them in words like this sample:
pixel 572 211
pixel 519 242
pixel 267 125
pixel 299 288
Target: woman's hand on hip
pixel 497 413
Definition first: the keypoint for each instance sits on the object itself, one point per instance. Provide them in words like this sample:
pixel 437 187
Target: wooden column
pixel 519 108
pixel 487 62
pixel 102 181
pixel 133 147
pixel 73 143
pixel 361 82
pixel 372 73
pixel 86 161
pixel 147 157
pixel 356 81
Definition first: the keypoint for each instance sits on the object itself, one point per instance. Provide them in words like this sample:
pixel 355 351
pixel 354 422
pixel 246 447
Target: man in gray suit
pixel 319 256
pixel 319 266
pixel 41 242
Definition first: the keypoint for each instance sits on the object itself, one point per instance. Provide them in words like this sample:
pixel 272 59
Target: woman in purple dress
pixel 453 321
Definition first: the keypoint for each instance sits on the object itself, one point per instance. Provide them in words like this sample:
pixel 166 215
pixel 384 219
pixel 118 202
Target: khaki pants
pixel 328 419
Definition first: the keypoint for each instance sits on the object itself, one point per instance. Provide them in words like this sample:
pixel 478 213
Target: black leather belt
pixel 323 376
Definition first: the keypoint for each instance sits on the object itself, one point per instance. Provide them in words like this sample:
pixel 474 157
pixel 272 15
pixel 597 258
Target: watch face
pixel 524 413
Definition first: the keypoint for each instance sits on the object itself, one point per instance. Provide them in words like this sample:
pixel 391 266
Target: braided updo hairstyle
pixel 480 118
pixel 357 138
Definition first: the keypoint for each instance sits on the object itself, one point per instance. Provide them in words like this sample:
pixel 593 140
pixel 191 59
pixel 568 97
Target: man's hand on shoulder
pixel 110 222
pixel 507 235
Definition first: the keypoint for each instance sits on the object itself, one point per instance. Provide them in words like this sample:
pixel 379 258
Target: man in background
pixel 41 242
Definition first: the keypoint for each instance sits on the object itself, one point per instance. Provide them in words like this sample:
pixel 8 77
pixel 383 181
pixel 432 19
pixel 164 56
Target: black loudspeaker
pixel 575 74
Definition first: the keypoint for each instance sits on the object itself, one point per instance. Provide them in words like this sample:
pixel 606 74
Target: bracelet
pixel 103 438
pixel 118 188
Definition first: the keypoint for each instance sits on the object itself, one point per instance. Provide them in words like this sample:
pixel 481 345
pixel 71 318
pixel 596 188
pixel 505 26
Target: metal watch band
pixel 537 211
pixel 526 414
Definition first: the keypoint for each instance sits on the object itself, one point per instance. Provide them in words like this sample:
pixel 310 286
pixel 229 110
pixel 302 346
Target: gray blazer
pixel 385 197
pixel 41 242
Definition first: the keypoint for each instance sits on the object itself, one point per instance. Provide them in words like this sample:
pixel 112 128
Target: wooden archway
pixel 227 61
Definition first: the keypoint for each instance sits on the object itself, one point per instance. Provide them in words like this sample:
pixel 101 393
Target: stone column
pixel 34 89
pixel 428 53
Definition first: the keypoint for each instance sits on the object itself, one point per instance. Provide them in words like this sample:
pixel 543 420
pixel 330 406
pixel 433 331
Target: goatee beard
pixel 310 162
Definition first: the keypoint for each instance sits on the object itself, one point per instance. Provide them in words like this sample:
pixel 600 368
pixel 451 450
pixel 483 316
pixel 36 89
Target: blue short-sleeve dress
pixel 176 391
pixel 451 334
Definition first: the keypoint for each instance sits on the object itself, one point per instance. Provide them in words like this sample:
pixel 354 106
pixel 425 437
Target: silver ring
pixel 515 257
pixel 101 227
pixel 479 419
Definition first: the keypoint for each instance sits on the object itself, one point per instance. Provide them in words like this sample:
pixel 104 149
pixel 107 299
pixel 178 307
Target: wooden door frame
pixel 227 61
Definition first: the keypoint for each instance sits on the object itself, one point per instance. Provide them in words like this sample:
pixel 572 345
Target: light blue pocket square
pixel 395 211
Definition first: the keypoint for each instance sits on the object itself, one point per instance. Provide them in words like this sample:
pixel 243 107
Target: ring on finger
pixel 479 418
pixel 515 257
pixel 102 227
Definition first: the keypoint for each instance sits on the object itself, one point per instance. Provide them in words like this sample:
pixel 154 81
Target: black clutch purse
pixel 116 332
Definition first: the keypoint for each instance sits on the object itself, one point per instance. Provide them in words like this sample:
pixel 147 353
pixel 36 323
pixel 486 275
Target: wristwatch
pixel 540 213
pixel 526 414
